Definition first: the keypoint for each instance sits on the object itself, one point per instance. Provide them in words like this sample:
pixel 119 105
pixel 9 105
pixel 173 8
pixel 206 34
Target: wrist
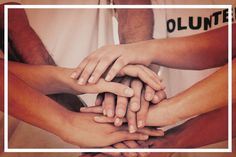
pixel 63 127
pixel 57 121
pixel 162 114
pixel 63 80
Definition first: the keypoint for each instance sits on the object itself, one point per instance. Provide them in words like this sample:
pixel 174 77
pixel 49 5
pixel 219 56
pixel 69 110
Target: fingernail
pixel 120 112
pixel 117 121
pixel 104 112
pixel 91 79
pixel 140 124
pixel 110 113
pixel 148 97
pixel 155 98
pixel 134 106
pixel 108 77
pixel 132 129
pixel 73 75
pixel 81 81
pixel 96 118
pixel 129 92
pixel 145 137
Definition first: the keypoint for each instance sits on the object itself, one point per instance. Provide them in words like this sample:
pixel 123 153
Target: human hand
pixel 134 109
pixel 165 113
pixel 80 127
pixel 69 85
pixel 138 71
pixel 94 65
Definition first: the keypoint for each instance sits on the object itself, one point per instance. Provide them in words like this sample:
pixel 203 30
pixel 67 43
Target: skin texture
pixel 184 135
pixel 57 79
pixel 22 40
pixel 133 25
pixel 209 52
pixel 45 113
pixel 191 102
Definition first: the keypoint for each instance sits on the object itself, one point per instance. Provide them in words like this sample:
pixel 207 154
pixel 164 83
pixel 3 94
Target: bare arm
pixel 201 51
pixel 29 105
pixel 195 133
pixel 52 79
pixel 207 95
pixel 23 38
pixel 134 24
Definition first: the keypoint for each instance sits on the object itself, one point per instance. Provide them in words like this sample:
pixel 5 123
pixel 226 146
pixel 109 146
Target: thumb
pixel 119 136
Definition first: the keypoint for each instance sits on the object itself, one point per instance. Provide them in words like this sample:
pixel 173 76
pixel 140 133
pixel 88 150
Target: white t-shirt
pixel 185 22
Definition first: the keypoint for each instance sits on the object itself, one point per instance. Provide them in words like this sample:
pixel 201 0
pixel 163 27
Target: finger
pixel 109 104
pixel 131 118
pixel 122 102
pixel 134 103
pixel 151 131
pixel 159 96
pixel 99 99
pixel 116 67
pixel 89 68
pixel 149 93
pixel 79 69
pixel 137 71
pixel 151 74
pixel 119 136
pixel 121 106
pixel 118 121
pixel 117 89
pixel 142 113
pixel 105 119
pixel 101 67
pixel 92 109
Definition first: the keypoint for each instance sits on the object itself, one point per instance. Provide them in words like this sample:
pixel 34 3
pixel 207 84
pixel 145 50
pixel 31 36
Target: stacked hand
pixel 117 108
pixel 145 84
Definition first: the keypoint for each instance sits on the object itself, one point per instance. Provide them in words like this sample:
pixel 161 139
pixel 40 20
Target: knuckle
pixel 106 59
pixel 97 71
pixel 130 119
pixel 86 72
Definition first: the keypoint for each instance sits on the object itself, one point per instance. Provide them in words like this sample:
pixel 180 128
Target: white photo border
pixel 7 7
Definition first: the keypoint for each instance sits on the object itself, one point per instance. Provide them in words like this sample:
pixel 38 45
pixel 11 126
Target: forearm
pixel 134 24
pixel 31 106
pixel 207 95
pixel 46 79
pixel 23 38
pixel 201 51
pixel 205 129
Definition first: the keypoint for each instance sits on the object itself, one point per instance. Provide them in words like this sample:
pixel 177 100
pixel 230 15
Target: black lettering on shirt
pixel 199 22
pixel 225 15
pixel 216 17
pixel 197 26
pixel 207 23
pixel 180 27
pixel 171 25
